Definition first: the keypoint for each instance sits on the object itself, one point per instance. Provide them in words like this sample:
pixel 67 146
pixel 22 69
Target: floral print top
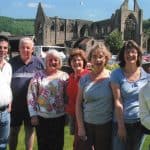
pixel 46 94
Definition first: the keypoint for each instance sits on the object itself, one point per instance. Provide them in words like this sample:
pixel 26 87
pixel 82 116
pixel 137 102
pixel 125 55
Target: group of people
pixel 15 77
pixel 104 107
pixel 109 107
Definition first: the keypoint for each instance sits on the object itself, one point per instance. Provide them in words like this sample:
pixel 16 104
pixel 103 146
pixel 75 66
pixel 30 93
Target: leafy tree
pixel 114 41
pixel 146 25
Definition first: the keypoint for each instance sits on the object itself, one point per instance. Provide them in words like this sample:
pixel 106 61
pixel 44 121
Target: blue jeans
pixel 133 139
pixel 4 129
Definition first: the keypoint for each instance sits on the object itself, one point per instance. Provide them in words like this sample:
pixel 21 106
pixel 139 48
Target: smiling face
pixel 131 56
pixel 98 59
pixel 77 63
pixel 26 50
pixel 52 63
pixel 3 49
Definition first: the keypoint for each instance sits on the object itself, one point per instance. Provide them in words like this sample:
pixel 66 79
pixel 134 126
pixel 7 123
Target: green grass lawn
pixel 68 141
pixel 146 145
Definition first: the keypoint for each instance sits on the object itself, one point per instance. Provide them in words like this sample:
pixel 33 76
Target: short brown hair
pixel 77 52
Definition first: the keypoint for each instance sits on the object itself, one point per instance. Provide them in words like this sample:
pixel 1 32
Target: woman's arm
pixel 79 114
pixel 119 110
pixel 32 101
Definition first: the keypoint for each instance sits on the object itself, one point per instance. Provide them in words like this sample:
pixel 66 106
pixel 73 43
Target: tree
pixel 114 41
pixel 146 25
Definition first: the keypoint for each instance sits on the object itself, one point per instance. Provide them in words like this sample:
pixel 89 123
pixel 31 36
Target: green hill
pixel 26 26
pixel 17 26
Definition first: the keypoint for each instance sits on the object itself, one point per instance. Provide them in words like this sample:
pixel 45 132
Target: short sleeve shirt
pixel 97 105
pixel 129 93
pixel 22 73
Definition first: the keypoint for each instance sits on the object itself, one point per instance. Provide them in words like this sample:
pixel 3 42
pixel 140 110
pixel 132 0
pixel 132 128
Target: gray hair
pixel 26 40
pixel 55 53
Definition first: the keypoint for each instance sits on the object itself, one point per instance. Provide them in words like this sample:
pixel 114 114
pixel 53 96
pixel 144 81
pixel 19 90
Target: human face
pixel 26 50
pixel 98 59
pixel 77 64
pixel 130 56
pixel 52 63
pixel 3 49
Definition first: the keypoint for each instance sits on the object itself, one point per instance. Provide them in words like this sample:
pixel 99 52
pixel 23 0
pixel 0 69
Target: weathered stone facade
pixel 56 31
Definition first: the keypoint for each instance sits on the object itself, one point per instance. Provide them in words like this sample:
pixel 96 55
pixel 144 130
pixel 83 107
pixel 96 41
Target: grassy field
pixel 146 145
pixel 68 141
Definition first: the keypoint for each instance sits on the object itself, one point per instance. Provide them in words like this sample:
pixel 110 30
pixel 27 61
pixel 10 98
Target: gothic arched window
pixel 130 28
pixel 84 32
pixel 62 28
pixel 52 26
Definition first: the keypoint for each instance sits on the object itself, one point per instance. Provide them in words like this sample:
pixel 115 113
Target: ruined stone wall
pixel 54 30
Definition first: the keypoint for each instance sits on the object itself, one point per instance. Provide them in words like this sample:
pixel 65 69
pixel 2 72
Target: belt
pixel 3 108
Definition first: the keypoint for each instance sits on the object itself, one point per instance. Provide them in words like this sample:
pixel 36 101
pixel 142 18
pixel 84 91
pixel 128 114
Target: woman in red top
pixel 77 61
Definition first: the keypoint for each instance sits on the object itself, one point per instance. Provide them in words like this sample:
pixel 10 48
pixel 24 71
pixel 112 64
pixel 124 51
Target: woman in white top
pixel 46 103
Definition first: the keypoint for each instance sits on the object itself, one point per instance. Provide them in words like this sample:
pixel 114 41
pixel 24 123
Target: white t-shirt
pixel 144 101
pixel 5 80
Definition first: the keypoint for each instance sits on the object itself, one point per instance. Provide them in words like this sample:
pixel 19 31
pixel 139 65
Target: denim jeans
pixel 4 129
pixel 133 139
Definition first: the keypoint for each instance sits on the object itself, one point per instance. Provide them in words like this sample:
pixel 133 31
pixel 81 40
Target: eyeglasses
pixel 97 56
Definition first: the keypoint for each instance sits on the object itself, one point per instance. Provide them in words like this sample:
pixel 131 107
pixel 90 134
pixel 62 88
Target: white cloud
pixel 32 5
pixel 81 3
pixel 47 5
pixel 91 15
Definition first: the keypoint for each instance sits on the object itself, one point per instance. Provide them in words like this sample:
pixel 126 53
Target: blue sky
pixel 69 9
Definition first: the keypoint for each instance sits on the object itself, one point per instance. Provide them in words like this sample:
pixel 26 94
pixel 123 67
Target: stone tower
pixel 39 25
pixel 131 22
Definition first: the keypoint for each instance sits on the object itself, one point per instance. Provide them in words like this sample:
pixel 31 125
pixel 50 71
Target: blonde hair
pixel 100 47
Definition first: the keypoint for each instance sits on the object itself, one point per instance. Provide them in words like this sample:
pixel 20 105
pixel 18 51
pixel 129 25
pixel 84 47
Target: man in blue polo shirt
pixel 23 67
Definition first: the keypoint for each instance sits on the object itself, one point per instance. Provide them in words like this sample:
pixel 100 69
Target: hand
pixel 34 120
pixel 82 133
pixel 9 108
pixel 122 133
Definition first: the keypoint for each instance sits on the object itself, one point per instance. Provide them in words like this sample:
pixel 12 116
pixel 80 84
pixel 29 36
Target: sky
pixel 93 10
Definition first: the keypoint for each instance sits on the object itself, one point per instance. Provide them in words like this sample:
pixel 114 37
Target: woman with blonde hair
pixel 94 104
